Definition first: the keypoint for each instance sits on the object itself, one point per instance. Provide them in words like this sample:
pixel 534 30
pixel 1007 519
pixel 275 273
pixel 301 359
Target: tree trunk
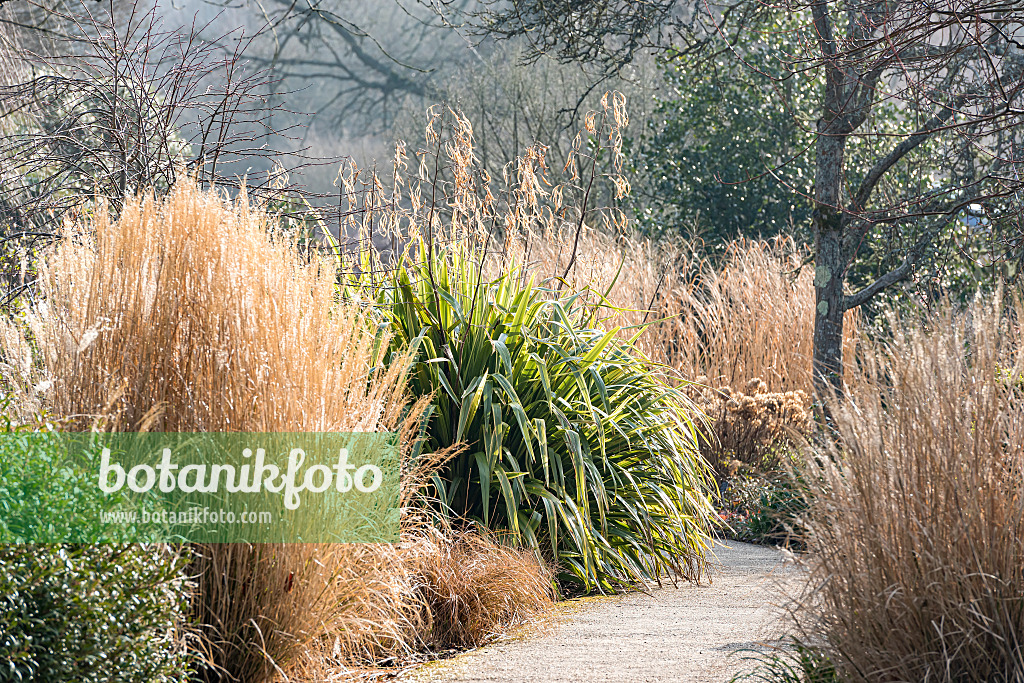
pixel 829 271
pixel 829 265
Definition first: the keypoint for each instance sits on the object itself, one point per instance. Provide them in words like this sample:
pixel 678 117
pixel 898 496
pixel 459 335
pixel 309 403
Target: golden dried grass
pixel 749 317
pixel 741 330
pixel 918 534
pixel 464 588
pixel 752 317
pixel 188 314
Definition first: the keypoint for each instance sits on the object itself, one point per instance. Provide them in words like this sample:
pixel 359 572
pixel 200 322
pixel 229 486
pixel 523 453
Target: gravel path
pixel 682 635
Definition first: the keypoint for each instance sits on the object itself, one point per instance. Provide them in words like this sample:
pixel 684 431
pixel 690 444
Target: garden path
pixel 687 634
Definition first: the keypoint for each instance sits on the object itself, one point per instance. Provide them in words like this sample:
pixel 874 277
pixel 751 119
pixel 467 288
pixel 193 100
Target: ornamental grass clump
pixel 918 532
pixel 745 316
pixel 194 313
pixel 187 313
pixel 750 317
pixel 475 587
pixel 459 590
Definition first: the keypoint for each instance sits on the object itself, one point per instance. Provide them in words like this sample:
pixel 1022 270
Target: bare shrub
pixel 106 101
pixel 917 545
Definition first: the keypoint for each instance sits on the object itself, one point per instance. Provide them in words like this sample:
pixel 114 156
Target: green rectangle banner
pixel 227 487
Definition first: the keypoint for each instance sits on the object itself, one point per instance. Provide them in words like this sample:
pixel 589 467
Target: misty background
pixel 352 79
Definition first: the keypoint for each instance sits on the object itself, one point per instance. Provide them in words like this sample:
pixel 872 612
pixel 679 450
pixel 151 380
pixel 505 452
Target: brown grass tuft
pixel 475 588
pixel 459 590
pixel 919 534
pixel 747 324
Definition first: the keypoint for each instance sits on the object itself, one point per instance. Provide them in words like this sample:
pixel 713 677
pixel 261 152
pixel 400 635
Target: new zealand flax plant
pixel 574 445
pixel 571 441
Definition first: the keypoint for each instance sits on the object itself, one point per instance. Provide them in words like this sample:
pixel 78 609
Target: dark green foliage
pixel 766 508
pixel 730 152
pixel 92 614
pixel 574 446
pixel 79 613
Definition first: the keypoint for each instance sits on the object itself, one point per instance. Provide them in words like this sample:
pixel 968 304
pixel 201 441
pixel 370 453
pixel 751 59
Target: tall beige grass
pixel 741 328
pixel 188 314
pixel 918 536
pixel 750 318
pixel 185 314
pixel 747 317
